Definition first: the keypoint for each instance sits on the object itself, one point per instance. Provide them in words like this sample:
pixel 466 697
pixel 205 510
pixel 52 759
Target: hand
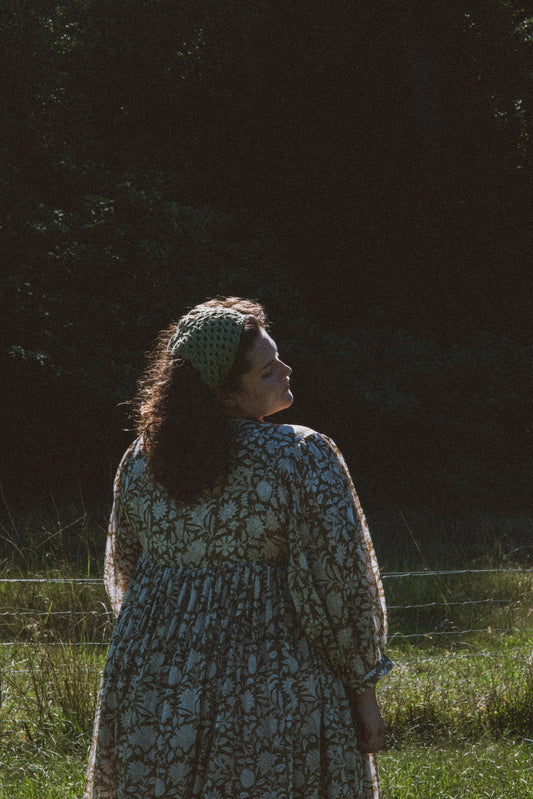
pixel 368 720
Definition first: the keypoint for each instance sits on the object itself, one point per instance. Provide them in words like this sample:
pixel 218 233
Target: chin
pixel 288 402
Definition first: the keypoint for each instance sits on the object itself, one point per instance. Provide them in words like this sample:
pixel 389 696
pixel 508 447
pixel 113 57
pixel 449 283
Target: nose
pixel 287 371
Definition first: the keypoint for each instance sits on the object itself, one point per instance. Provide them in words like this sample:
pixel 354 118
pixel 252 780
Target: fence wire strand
pixel 395 637
pixel 384 576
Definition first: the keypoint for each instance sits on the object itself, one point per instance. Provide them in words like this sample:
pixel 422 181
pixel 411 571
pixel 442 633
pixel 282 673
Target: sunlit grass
pixel 48 699
pixel 458 611
pixel 29 771
pixel 484 769
pixel 461 697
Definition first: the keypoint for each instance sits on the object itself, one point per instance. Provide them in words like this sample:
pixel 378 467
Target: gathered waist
pixel 239 601
pixel 228 588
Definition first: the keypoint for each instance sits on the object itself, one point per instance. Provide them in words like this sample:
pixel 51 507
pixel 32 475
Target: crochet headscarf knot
pixel 208 338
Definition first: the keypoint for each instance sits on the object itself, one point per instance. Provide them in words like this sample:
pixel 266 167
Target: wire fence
pixel 424 606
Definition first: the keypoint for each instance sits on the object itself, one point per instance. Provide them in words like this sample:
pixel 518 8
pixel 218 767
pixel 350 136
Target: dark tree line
pixel 364 168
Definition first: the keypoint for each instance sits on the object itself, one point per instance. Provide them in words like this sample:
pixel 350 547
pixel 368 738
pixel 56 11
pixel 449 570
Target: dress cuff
pixel 382 667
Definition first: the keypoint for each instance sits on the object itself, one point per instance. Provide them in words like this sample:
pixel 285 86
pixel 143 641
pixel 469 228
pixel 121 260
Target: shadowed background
pixel 363 169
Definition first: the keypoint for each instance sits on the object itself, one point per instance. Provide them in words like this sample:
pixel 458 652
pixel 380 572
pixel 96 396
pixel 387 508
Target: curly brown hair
pixel 184 425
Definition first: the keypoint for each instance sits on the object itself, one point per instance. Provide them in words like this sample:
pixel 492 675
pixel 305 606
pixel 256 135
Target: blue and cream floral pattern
pixel 241 616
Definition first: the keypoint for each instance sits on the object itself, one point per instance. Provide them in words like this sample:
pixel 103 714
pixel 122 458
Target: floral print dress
pixel 241 616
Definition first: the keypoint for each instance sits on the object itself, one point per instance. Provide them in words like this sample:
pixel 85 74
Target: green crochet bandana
pixel 208 338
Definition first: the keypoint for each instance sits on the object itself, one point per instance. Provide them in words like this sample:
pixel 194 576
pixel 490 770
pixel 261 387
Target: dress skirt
pixel 212 691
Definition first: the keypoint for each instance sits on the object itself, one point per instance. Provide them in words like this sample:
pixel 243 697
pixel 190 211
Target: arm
pixel 333 573
pixel 367 719
pixel 123 547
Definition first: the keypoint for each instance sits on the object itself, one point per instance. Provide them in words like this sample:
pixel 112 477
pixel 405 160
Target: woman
pixel 251 617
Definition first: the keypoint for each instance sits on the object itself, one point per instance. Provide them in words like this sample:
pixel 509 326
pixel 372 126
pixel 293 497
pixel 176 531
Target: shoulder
pixel 132 462
pixel 305 440
pixel 291 442
pixel 294 435
pixel 290 436
pixel 134 452
pixel 317 457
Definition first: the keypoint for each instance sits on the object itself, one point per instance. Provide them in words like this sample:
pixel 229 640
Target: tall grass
pixel 48 698
pixel 54 608
pixel 439 609
pixel 446 538
pixel 43 536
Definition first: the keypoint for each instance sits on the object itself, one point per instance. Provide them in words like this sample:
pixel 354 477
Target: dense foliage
pixel 361 168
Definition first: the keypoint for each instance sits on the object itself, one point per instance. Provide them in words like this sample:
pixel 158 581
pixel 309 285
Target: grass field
pixel 459 704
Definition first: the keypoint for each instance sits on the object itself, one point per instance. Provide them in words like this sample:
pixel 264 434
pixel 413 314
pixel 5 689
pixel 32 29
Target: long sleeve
pixel 123 547
pixel 333 573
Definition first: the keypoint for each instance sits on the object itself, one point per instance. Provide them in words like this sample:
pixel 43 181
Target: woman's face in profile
pixel 265 387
